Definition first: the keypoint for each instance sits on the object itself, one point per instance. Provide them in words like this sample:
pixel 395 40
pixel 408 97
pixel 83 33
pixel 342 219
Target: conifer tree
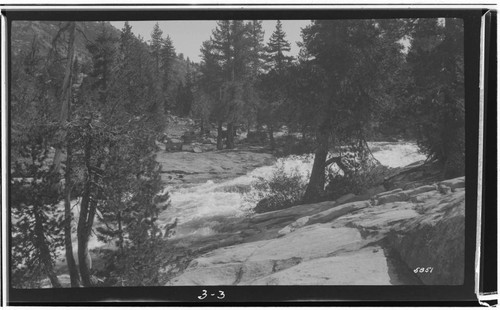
pixel 156 47
pixel 257 61
pixel 273 82
pixel 230 50
pixel 276 49
pixel 35 189
pixel 168 57
pixel 352 62
pixel 257 49
pixel 437 92
pixel 103 53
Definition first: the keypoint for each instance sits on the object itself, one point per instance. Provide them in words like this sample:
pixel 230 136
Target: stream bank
pixel 380 241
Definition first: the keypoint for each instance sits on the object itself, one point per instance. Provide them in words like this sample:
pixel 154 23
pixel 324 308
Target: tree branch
pixel 337 160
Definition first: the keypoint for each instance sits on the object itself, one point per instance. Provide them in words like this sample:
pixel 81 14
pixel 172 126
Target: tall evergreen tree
pixel 257 49
pixel 257 61
pixel 103 53
pixel 437 92
pixel 273 82
pixel 352 62
pixel 35 189
pixel 156 47
pixel 231 49
pixel 168 57
pixel 276 49
pixel 156 44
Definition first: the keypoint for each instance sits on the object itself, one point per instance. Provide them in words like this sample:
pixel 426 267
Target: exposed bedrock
pixel 381 241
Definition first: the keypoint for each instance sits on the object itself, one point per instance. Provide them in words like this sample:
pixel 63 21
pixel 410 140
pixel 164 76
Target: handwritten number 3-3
pixel 205 294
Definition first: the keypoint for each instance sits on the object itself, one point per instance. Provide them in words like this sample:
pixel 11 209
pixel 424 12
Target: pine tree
pixel 352 63
pixel 168 57
pixel 128 72
pixel 276 49
pixel 127 39
pixel 157 104
pixel 103 53
pixel 35 189
pixel 230 48
pixel 273 82
pixel 135 78
pixel 156 47
pixel 437 92
pixel 256 37
pixel 257 61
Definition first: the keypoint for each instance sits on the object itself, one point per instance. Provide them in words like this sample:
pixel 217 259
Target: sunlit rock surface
pixel 372 242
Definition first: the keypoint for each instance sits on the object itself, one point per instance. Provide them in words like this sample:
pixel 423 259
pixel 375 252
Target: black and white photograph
pixel 226 152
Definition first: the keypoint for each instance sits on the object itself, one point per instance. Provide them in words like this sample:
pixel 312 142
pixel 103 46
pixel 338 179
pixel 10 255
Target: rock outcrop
pixel 188 167
pixel 371 242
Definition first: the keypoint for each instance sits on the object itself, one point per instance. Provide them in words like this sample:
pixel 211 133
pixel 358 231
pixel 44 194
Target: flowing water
pixel 197 206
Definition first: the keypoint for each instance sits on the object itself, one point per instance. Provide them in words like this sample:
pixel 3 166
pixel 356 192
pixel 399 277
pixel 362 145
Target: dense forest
pixel 89 105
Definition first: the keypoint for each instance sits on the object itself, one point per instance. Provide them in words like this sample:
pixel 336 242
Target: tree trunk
pixel 85 222
pixel 45 258
pixel 270 131
pixel 202 129
pixel 66 90
pixel 220 141
pixel 316 187
pixel 230 136
pixel 70 259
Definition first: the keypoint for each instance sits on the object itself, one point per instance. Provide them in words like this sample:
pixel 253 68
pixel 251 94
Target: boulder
pixel 173 145
pixel 397 190
pixel 197 149
pixel 421 189
pixel 294 226
pixel 454 183
pixel 345 198
pixel 208 147
pixel 209 141
pixel 399 196
pixel 435 239
pixel 187 148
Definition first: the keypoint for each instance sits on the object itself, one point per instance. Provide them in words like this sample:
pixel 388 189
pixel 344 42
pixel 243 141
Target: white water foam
pixel 235 197
pixel 395 155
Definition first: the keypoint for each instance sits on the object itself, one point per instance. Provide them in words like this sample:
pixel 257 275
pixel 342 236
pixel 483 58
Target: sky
pixel 188 35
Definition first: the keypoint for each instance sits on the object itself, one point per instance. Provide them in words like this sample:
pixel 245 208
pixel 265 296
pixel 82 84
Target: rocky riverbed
pixel 187 168
pixel 380 241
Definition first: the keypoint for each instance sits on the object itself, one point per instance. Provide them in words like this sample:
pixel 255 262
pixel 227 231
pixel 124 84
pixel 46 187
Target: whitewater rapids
pixel 237 197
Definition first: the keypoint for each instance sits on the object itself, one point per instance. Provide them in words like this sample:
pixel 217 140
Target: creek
pixel 199 207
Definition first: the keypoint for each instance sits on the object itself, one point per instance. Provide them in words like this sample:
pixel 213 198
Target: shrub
pixel 281 191
pixel 136 265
